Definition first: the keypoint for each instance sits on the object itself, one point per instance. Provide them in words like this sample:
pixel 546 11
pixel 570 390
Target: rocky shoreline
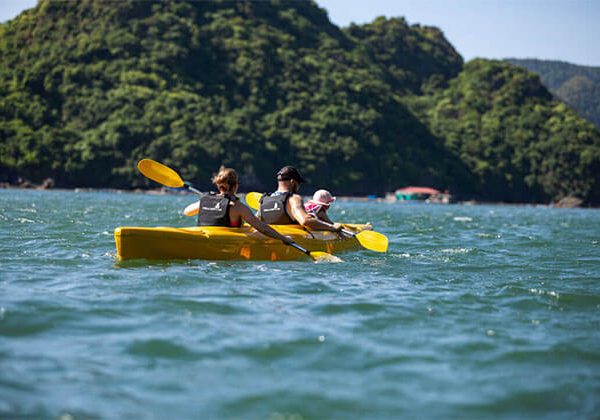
pixel 48 184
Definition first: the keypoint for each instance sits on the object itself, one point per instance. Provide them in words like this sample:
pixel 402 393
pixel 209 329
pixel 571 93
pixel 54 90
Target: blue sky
pixel 567 30
pixel 11 8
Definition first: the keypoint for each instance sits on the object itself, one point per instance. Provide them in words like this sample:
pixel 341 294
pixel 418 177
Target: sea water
pixel 475 311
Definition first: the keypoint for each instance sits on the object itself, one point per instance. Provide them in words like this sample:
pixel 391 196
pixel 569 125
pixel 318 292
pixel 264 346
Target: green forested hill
pixel 578 86
pixel 92 87
pixel 509 132
pixel 87 88
pixel 416 58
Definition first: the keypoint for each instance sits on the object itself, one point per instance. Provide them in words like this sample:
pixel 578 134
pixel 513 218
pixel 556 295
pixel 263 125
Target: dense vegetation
pixel 518 142
pixel 578 86
pixel 89 88
pixel 416 58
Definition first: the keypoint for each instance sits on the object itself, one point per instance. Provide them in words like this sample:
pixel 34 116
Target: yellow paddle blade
pixel 160 173
pixel 253 200
pixel 192 209
pixel 318 256
pixel 374 241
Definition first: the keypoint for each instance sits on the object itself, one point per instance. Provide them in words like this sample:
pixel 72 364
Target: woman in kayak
pixel 223 208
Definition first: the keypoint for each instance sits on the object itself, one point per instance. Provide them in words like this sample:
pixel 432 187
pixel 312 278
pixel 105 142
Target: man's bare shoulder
pixel 296 198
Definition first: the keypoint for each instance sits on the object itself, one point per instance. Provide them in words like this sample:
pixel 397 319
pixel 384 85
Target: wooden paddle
pixel 368 239
pixel 168 177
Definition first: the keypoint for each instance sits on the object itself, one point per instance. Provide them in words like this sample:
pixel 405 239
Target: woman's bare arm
pixel 258 224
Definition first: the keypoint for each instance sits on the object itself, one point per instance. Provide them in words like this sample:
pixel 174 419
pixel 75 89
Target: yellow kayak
pixel 223 243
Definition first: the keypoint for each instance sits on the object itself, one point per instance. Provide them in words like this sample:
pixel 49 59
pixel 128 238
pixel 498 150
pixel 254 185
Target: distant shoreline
pixel 568 202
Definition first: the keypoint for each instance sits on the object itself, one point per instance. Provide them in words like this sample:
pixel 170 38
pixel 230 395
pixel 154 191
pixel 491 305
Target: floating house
pixel 430 195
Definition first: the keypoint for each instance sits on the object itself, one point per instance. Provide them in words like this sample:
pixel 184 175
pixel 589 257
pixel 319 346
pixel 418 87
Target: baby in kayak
pixel 319 204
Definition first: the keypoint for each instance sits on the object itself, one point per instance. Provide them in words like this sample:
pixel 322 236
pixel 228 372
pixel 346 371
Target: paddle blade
pixel 318 256
pixel 253 200
pixel 160 173
pixel 192 209
pixel 374 241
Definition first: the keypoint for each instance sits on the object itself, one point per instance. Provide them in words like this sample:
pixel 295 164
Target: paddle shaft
pixel 343 230
pixel 299 248
pixel 349 233
pixel 192 189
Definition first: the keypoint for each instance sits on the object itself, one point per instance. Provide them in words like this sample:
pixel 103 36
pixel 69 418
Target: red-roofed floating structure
pixel 422 194
pixel 418 190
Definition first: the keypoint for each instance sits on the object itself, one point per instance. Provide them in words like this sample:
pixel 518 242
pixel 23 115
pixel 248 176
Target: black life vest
pixel 214 210
pixel 273 209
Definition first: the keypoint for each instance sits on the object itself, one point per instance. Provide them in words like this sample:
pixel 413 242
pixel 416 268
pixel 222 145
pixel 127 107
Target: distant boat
pixel 429 195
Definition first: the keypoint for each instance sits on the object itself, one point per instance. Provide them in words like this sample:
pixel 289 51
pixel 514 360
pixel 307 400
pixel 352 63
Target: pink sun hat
pixel 323 197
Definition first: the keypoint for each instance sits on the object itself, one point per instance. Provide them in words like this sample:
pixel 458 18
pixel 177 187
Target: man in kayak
pixel 284 206
pixel 225 209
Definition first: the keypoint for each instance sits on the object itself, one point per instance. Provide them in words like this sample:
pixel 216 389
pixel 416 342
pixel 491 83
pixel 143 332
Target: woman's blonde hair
pixel 226 178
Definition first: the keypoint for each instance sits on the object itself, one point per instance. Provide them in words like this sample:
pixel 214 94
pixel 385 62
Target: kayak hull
pixel 223 243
